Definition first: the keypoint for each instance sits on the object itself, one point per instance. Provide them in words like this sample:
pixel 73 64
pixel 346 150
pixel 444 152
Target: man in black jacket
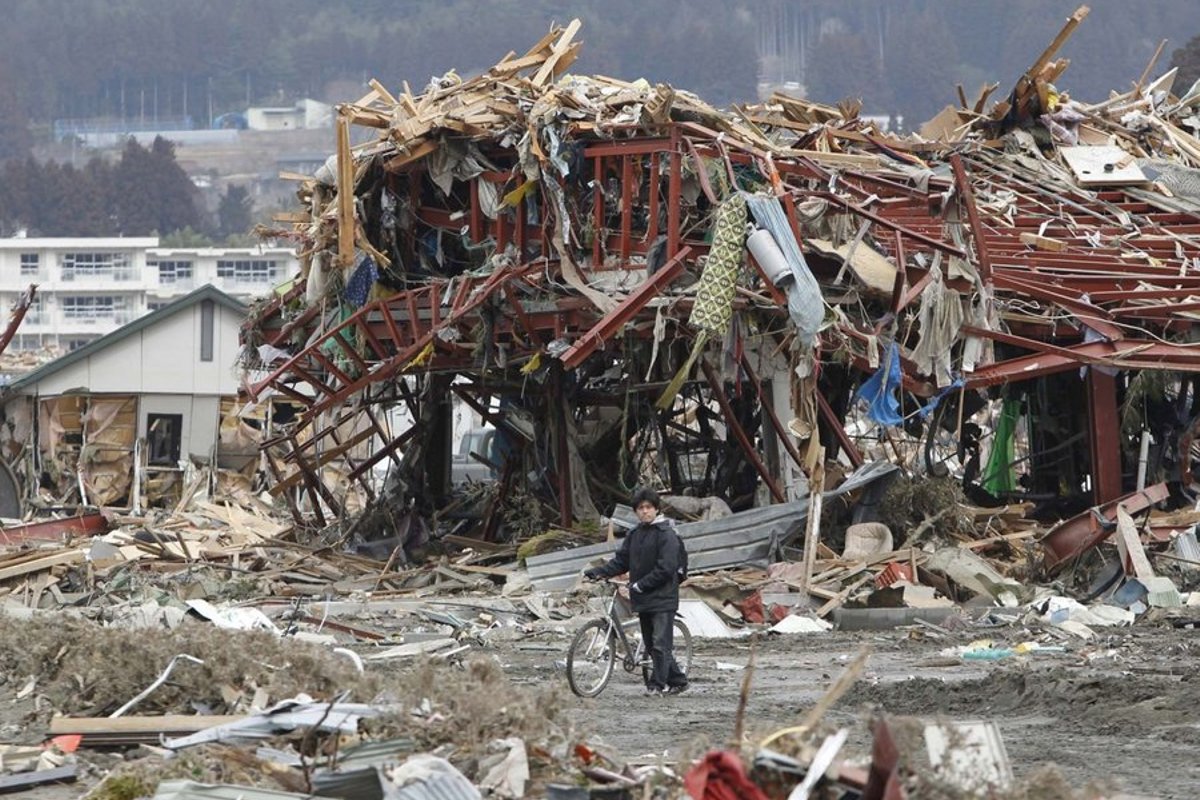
pixel 650 554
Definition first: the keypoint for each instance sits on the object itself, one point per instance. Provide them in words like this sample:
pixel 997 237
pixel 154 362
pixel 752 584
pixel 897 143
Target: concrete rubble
pixel 942 390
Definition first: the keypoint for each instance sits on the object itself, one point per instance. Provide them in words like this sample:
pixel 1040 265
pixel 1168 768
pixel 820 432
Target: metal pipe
pixel 159 681
pixel 1143 456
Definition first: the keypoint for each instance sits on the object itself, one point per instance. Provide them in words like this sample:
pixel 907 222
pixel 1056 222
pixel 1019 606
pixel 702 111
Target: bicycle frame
pixel 602 639
pixel 616 630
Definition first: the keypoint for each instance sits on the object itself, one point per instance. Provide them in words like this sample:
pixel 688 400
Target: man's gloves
pixel 592 574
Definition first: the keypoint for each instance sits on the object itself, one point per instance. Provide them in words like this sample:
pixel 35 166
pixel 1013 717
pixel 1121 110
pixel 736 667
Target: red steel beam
pixel 839 431
pixel 977 232
pixel 768 408
pixel 55 530
pixel 674 193
pixel 1104 427
pixel 739 433
pixel 384 370
pixel 1077 535
pixel 887 223
pixel 613 321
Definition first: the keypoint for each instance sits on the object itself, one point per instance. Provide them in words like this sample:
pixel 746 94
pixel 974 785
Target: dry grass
pixel 82 669
pixel 919 507
pixel 468 707
pixel 85 670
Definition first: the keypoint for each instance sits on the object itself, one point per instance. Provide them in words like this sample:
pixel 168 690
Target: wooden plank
pixel 1043 242
pixel 1008 537
pixel 345 193
pixel 1130 546
pixel 560 49
pixel 1071 24
pixel 383 93
pixel 43 563
pixel 292 216
pixel 841 597
pixel 168 723
pixel 541 45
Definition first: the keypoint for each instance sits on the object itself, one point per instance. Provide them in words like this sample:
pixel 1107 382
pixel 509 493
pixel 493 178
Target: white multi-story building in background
pixel 88 287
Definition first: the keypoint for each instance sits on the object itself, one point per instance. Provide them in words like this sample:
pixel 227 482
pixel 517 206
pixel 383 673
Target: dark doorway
pixel 164 435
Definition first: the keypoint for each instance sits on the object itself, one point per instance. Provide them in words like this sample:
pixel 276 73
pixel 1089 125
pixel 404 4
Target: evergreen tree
pixel 1187 58
pixel 152 193
pixel 234 212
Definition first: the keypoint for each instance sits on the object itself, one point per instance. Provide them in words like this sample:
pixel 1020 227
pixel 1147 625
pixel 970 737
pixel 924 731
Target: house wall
pixel 161 359
pixel 200 420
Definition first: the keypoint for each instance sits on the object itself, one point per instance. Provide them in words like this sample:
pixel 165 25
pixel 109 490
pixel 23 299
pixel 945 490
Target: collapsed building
pixel 634 287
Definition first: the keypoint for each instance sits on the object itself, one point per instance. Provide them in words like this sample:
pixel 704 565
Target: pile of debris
pixel 855 363
pixel 566 259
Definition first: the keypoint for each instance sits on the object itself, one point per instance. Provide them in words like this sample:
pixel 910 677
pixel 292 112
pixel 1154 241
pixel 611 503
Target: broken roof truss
pixel 548 249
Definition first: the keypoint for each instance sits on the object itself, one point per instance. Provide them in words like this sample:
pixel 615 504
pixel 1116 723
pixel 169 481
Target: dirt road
pixel 1122 706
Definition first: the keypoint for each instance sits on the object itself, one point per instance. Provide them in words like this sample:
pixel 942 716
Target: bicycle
pixel 595 648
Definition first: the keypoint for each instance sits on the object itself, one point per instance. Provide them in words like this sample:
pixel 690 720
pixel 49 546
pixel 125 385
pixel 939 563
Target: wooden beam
pixel 345 193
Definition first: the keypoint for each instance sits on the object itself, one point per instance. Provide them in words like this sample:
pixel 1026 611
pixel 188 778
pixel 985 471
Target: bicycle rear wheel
pixel 590 659
pixel 683 647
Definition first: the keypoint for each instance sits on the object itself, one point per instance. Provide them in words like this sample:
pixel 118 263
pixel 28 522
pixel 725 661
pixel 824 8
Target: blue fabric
pixel 927 409
pixel 358 288
pixel 880 391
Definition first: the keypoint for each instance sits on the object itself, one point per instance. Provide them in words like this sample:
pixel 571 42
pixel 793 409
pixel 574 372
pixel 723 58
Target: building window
pixel 75 344
pixel 31 263
pixel 92 309
pixel 36 313
pixel 164 436
pixel 77 266
pixel 155 305
pixel 172 272
pixel 207 310
pixel 247 270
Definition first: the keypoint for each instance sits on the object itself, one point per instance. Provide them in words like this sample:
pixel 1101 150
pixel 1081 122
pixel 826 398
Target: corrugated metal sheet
pixel 748 538
pixel 426 777
pixel 285 716
pixel 358 770
pixel 191 790
pixel 1186 547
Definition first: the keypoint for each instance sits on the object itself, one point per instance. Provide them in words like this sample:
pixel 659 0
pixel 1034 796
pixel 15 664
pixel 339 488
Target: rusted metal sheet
pixel 1077 535
pixel 55 530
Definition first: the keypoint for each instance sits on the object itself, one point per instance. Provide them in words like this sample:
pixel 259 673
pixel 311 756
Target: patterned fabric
pixel 718 282
pixel 713 312
pixel 358 288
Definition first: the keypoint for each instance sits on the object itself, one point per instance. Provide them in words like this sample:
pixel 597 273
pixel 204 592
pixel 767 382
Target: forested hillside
pixel 164 59
pixel 86 58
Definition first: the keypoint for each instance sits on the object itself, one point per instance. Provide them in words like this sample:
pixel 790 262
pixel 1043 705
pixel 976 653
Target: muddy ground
pixel 1121 707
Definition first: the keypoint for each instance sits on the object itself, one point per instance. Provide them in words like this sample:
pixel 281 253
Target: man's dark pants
pixel 658 631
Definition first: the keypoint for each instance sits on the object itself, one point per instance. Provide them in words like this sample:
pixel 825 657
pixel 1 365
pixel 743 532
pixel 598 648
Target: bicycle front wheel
pixel 683 647
pixel 591 657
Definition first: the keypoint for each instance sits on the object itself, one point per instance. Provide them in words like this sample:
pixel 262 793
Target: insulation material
pixel 240 434
pixel 17 440
pixel 17 431
pixel 60 439
pixel 106 460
